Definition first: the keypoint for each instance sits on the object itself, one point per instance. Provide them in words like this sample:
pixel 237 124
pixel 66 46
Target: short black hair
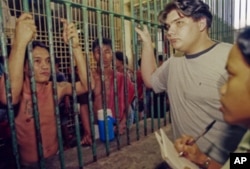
pixel 39 44
pixel 105 41
pixel 196 9
pixel 36 44
pixel 243 42
pixel 119 56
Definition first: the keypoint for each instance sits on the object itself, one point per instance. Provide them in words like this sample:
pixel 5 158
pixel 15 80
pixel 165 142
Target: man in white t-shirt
pixel 193 80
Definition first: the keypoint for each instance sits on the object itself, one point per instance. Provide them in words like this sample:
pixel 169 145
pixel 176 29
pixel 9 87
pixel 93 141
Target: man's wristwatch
pixel 206 164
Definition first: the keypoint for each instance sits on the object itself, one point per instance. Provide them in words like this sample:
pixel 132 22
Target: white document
pixel 170 155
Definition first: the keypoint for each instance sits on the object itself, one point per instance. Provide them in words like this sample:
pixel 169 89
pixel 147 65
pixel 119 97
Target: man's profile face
pixel 42 67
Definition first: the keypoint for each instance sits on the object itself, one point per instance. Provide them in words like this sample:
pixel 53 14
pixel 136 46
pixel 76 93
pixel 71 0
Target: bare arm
pixel 24 32
pixel 84 113
pixel 70 32
pixel 148 63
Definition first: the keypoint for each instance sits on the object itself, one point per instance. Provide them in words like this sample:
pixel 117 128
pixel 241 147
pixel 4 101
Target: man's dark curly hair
pixel 195 9
pixel 243 42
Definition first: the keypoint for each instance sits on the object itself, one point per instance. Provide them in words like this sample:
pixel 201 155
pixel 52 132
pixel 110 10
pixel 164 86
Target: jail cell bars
pixel 114 19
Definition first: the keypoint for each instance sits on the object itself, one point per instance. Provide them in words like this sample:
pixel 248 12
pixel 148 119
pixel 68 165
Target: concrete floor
pixel 142 154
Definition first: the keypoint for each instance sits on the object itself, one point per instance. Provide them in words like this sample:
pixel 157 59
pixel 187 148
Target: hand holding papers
pixel 170 155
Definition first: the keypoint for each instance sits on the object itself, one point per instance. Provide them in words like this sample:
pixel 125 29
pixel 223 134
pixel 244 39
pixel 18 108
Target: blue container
pixel 101 126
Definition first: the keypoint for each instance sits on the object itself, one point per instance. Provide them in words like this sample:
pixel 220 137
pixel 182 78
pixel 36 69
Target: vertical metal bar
pixel 168 56
pixel 240 8
pixel 111 8
pixel 145 97
pixel 229 14
pixel 34 99
pixel 104 102
pixel 163 54
pixel 245 14
pixel 144 89
pixel 214 20
pixel 151 93
pixel 218 19
pixel 146 110
pixel 225 9
pixel 157 60
pixel 152 111
pixel 224 19
pixel 8 91
pixel 90 103
pixel 165 110
pixel 75 109
pixel 221 20
pixel 126 76
pixel 135 59
pixel 54 82
pixel 232 18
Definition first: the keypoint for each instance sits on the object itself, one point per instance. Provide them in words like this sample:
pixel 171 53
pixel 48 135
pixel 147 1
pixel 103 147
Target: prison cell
pixel 112 19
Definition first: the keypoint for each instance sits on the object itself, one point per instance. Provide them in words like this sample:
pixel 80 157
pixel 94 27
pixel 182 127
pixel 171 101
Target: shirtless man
pixel 107 54
pixel 25 30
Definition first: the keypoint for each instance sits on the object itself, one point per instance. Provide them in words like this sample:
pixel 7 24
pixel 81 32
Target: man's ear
pixel 203 24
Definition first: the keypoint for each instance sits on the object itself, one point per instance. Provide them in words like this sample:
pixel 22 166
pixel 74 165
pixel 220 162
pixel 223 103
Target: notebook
pixel 170 155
